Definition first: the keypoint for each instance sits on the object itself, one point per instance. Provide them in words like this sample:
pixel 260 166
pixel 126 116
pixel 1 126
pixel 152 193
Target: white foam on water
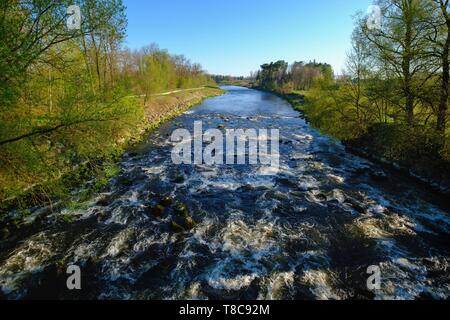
pixel 193 292
pixel 244 247
pixel 119 216
pixel 146 240
pixel 405 263
pixel 235 283
pixel 85 250
pixel 277 284
pixel 133 198
pixel 303 137
pixel 31 255
pixel 337 179
pixel 317 197
pixel 29 258
pixel 371 228
pixel 156 170
pixel 404 279
pixel 320 284
pixel 119 243
pixel 308 182
pixel 301 156
pixel 338 195
pixel 259 239
pixel 377 209
pixel 268 171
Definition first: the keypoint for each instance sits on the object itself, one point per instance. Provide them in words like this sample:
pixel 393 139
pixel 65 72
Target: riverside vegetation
pixel 144 228
pixel 72 101
pixel 391 102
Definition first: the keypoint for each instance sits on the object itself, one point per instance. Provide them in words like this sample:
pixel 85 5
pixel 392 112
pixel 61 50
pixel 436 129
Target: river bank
pixel 93 173
pixel 419 160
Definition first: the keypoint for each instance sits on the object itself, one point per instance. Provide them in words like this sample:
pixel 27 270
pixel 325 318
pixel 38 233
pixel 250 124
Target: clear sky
pixel 234 37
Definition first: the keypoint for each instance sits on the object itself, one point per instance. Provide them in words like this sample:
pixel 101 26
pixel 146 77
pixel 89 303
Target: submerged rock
pixel 181 209
pixel 125 181
pixel 158 210
pixel 182 224
pixel 182 220
pixel 176 227
pixel 379 176
pixel 321 197
pixel 286 142
pixel 288 183
pixel 167 201
pixel 178 179
pixel 102 215
pixel 355 205
pixel 189 223
pixel 105 200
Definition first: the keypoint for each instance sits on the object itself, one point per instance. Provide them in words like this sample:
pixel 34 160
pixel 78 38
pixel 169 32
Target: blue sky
pixel 234 37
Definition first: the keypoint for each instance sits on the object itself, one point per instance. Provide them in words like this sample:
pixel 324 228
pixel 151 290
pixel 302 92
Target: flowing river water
pixel 308 232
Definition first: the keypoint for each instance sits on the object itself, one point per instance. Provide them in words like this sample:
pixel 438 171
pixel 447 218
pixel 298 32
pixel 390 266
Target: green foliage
pixel 70 101
pixel 27 29
pixel 328 106
pixel 273 75
pixel 67 218
pixel 279 76
pixel 158 71
pixel 420 148
pixel 393 100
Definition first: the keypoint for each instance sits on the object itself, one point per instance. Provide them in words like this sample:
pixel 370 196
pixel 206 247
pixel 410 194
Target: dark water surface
pixel 308 232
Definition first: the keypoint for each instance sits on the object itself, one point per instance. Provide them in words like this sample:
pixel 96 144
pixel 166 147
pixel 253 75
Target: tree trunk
pixel 406 68
pixel 443 103
pixel 97 62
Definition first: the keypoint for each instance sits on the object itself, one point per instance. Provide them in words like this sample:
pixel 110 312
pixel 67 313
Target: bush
pixel 419 149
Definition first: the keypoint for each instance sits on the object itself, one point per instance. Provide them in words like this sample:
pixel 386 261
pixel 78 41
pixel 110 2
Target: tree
pixel 439 36
pixel 103 32
pixel 400 45
pixel 358 69
pixel 273 74
pixel 28 29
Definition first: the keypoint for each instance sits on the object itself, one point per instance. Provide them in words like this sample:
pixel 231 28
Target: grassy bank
pixel 162 108
pixel 92 153
pixel 416 151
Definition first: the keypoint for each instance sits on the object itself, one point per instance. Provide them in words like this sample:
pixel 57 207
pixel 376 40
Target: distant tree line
pixel 280 75
pixel 150 70
pixel 223 79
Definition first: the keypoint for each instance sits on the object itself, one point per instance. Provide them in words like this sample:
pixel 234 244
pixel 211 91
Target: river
pixel 309 231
